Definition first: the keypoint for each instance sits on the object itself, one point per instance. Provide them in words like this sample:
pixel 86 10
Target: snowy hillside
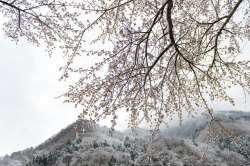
pixel 98 146
pixel 191 127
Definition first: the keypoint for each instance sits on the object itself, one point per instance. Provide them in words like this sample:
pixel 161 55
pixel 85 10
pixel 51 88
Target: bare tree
pixel 167 55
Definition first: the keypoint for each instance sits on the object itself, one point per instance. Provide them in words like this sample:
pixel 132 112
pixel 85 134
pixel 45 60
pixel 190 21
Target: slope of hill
pixel 98 146
pixel 192 127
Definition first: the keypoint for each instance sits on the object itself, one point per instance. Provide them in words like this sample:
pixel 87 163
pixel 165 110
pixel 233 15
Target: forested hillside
pixel 174 146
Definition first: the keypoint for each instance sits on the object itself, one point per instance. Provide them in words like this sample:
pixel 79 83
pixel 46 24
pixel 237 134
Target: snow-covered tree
pixel 166 55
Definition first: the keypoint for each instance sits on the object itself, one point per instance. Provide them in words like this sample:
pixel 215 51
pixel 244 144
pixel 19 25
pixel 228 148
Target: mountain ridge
pixel 98 146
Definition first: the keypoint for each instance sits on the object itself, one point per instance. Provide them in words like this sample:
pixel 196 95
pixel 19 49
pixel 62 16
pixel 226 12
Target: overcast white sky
pixel 29 112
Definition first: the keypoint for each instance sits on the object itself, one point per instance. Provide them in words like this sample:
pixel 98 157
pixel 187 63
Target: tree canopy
pixel 167 56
